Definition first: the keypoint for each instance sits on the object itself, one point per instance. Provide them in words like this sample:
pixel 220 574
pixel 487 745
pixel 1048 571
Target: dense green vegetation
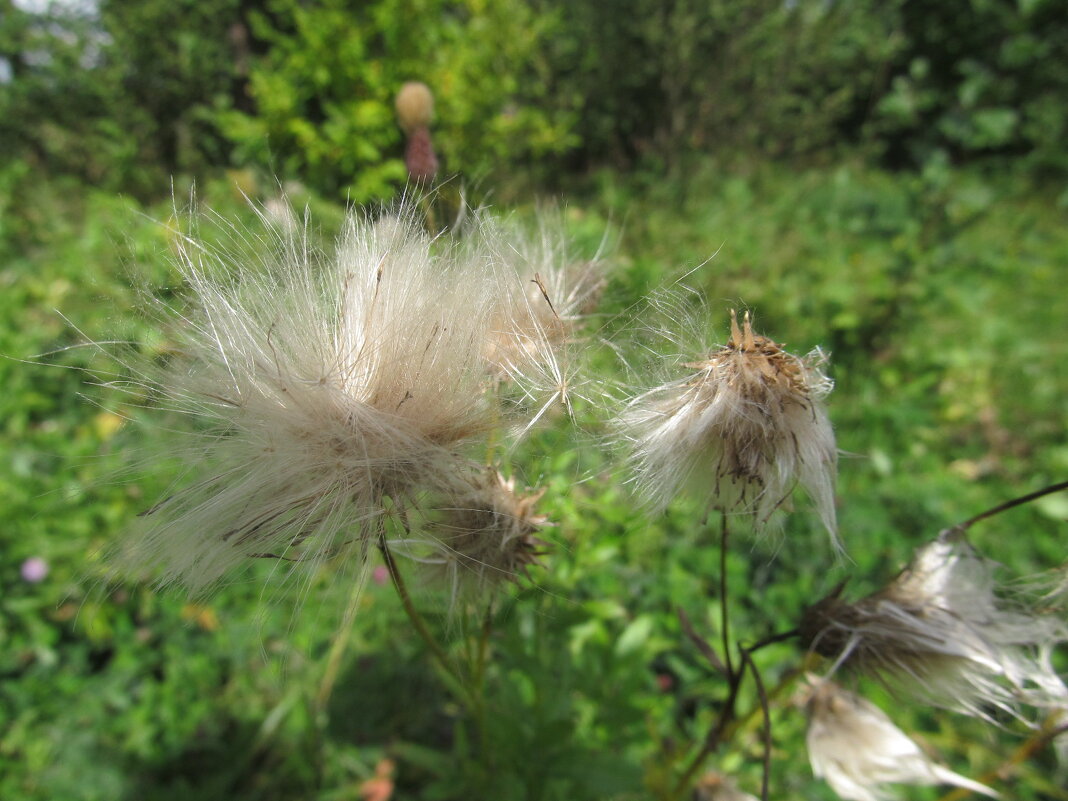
pixel 870 189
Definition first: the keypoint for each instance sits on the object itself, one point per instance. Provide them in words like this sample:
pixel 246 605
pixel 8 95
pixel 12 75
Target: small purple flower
pixel 34 569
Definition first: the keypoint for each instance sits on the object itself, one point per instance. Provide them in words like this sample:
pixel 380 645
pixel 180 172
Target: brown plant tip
pixel 415 106
pixel 778 371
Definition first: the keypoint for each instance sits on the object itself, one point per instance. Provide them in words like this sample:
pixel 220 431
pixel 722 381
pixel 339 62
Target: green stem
pixel 724 612
pixel 449 673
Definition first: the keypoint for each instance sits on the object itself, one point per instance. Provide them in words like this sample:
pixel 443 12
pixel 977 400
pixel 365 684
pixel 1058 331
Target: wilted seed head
pixel 857 749
pixel 487 532
pixel 325 384
pixel 415 106
pixel 941 633
pixel 742 431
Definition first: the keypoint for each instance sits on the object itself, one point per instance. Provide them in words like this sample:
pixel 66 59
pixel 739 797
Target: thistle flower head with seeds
pixel 485 533
pixel 743 428
pixel 324 385
pixel 941 632
pixel 857 749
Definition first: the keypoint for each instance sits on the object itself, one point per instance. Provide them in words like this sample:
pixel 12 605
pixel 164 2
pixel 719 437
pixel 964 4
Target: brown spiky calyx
pixel 491 530
pixel 759 357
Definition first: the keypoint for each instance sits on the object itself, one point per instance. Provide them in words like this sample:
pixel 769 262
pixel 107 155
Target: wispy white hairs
pixel 942 633
pixel 333 391
pixel 740 430
pixel 858 750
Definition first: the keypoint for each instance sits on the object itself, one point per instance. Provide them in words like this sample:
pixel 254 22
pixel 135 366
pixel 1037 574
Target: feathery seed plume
pixel 857 749
pixel 741 431
pixel 547 293
pixel 940 632
pixel 323 385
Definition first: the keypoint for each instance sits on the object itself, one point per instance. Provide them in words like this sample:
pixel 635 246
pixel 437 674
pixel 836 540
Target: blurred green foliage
pixel 121 99
pixel 977 77
pixel 322 92
pixel 303 91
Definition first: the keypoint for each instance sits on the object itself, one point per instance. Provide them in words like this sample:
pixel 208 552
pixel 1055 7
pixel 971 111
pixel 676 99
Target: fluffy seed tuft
pixel 857 749
pixel 941 633
pixel 741 431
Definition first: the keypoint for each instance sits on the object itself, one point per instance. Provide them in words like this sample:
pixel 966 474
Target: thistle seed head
pixel 486 533
pixel 940 632
pixel 321 386
pixel 741 431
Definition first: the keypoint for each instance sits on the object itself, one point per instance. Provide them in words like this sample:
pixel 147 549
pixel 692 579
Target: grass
pixel 941 299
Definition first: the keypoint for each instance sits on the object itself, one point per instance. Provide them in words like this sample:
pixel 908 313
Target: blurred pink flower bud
pixel 380 575
pixel 34 569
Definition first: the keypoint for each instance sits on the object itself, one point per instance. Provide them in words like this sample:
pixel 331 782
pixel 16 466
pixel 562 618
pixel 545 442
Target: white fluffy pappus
pixel 321 385
pixel 535 346
pixel 942 633
pixel 857 749
pixel 741 430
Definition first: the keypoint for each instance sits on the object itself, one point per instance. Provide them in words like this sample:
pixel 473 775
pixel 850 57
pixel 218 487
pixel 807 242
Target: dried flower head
pixel 322 386
pixel 743 430
pixel 940 631
pixel 857 749
pixel 485 533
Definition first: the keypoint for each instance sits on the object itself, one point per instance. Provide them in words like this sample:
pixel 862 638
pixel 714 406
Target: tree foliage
pixel 125 94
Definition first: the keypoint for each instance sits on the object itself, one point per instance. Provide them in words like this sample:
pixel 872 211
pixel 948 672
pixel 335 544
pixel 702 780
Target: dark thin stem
pixel 702 645
pixel 1028 749
pixel 724 615
pixel 1010 504
pixel 747 659
pixel 772 639
pixel 734 679
pixel 714 738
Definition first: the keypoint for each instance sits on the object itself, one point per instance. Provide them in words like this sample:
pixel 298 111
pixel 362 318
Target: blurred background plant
pixel 886 180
